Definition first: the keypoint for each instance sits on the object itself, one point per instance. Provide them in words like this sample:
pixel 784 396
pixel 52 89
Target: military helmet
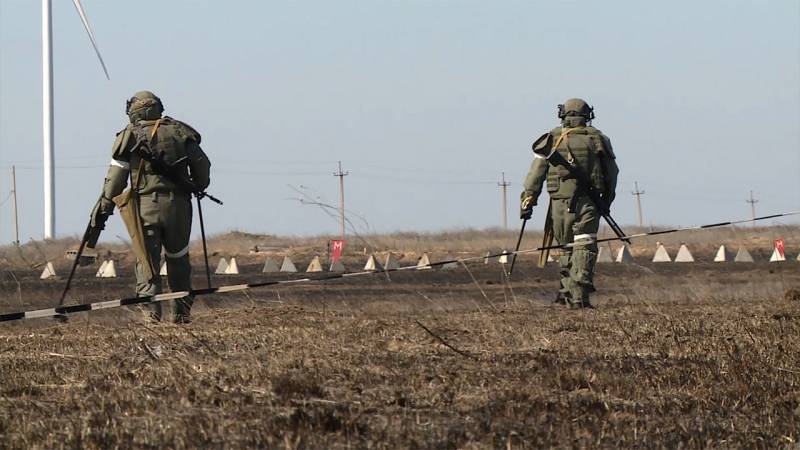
pixel 575 107
pixel 144 104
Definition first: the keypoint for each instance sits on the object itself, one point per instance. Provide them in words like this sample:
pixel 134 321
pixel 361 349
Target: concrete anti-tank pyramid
pixel 684 255
pixel 233 268
pixel 391 262
pixel 222 266
pixel 48 272
pixel 288 265
pixel 661 254
pixel 100 270
pixel 337 266
pixel 314 265
pixel 624 255
pixel 604 255
pixel 372 264
pixel 723 255
pixel 109 269
pixel 776 256
pixel 743 256
pixel 270 266
pixel 424 262
pixel 163 271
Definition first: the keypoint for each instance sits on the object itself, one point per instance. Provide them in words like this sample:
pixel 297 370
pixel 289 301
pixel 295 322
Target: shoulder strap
pixel 135 179
pixel 563 137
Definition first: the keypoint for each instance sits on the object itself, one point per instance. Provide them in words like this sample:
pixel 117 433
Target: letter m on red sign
pixel 337 245
pixel 780 248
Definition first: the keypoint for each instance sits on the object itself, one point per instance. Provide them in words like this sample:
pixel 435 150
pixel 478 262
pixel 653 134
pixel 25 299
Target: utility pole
pixel 638 195
pixel 504 184
pixel 14 194
pixel 752 202
pixel 341 176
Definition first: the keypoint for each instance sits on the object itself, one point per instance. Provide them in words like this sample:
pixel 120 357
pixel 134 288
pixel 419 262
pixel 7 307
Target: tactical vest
pixel 584 146
pixel 169 143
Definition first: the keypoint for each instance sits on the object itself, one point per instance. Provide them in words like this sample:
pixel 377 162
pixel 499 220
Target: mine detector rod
pixel 543 148
pixel 516 249
pixel 90 237
pixel 203 236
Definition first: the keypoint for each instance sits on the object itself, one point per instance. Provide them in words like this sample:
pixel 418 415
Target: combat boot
pixel 181 312
pixel 583 303
pixel 562 298
pixel 183 318
pixel 155 312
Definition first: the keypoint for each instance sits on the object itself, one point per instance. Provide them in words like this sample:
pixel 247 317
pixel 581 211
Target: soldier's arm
pixel 533 181
pixel 199 165
pixel 116 177
pixel 610 171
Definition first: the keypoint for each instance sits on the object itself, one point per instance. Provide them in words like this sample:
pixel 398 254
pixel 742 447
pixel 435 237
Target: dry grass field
pixel 675 355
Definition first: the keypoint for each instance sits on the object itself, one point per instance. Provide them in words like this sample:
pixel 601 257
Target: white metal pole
pixel 47 120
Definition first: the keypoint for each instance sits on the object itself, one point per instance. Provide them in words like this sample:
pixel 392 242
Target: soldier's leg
pixel 177 231
pixel 148 210
pixel 584 253
pixel 562 231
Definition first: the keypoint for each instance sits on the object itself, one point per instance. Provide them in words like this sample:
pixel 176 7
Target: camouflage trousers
pixel 577 225
pixel 167 221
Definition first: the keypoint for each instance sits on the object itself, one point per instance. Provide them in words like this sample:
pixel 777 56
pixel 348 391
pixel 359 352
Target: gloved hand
pixel 526 208
pixel 102 210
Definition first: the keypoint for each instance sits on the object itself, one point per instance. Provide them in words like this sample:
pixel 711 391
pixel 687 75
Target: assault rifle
pixel 171 171
pixel 544 147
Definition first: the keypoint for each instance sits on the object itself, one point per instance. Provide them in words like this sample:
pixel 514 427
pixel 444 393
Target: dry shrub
pixel 792 295
pixel 296 384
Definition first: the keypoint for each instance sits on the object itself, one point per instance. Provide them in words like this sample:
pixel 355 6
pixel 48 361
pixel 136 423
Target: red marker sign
pixel 337 246
pixel 779 247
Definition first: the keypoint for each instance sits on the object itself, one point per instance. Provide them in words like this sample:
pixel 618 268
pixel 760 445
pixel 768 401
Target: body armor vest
pixel 168 143
pixel 583 146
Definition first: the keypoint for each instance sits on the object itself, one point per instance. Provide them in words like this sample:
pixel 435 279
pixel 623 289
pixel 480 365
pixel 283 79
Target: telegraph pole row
pixel 638 195
pixel 504 184
pixel 341 176
pixel 752 202
pixel 14 194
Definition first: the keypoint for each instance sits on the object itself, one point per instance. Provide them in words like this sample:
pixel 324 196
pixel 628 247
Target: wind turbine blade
pixel 85 21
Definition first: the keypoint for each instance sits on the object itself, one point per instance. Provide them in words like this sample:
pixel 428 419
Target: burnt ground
pixel 694 355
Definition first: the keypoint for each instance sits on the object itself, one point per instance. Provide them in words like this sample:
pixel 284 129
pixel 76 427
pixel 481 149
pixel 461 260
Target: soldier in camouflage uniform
pixel 165 207
pixel 575 219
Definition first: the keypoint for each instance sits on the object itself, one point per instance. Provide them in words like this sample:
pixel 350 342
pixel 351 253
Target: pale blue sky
pixel 424 101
